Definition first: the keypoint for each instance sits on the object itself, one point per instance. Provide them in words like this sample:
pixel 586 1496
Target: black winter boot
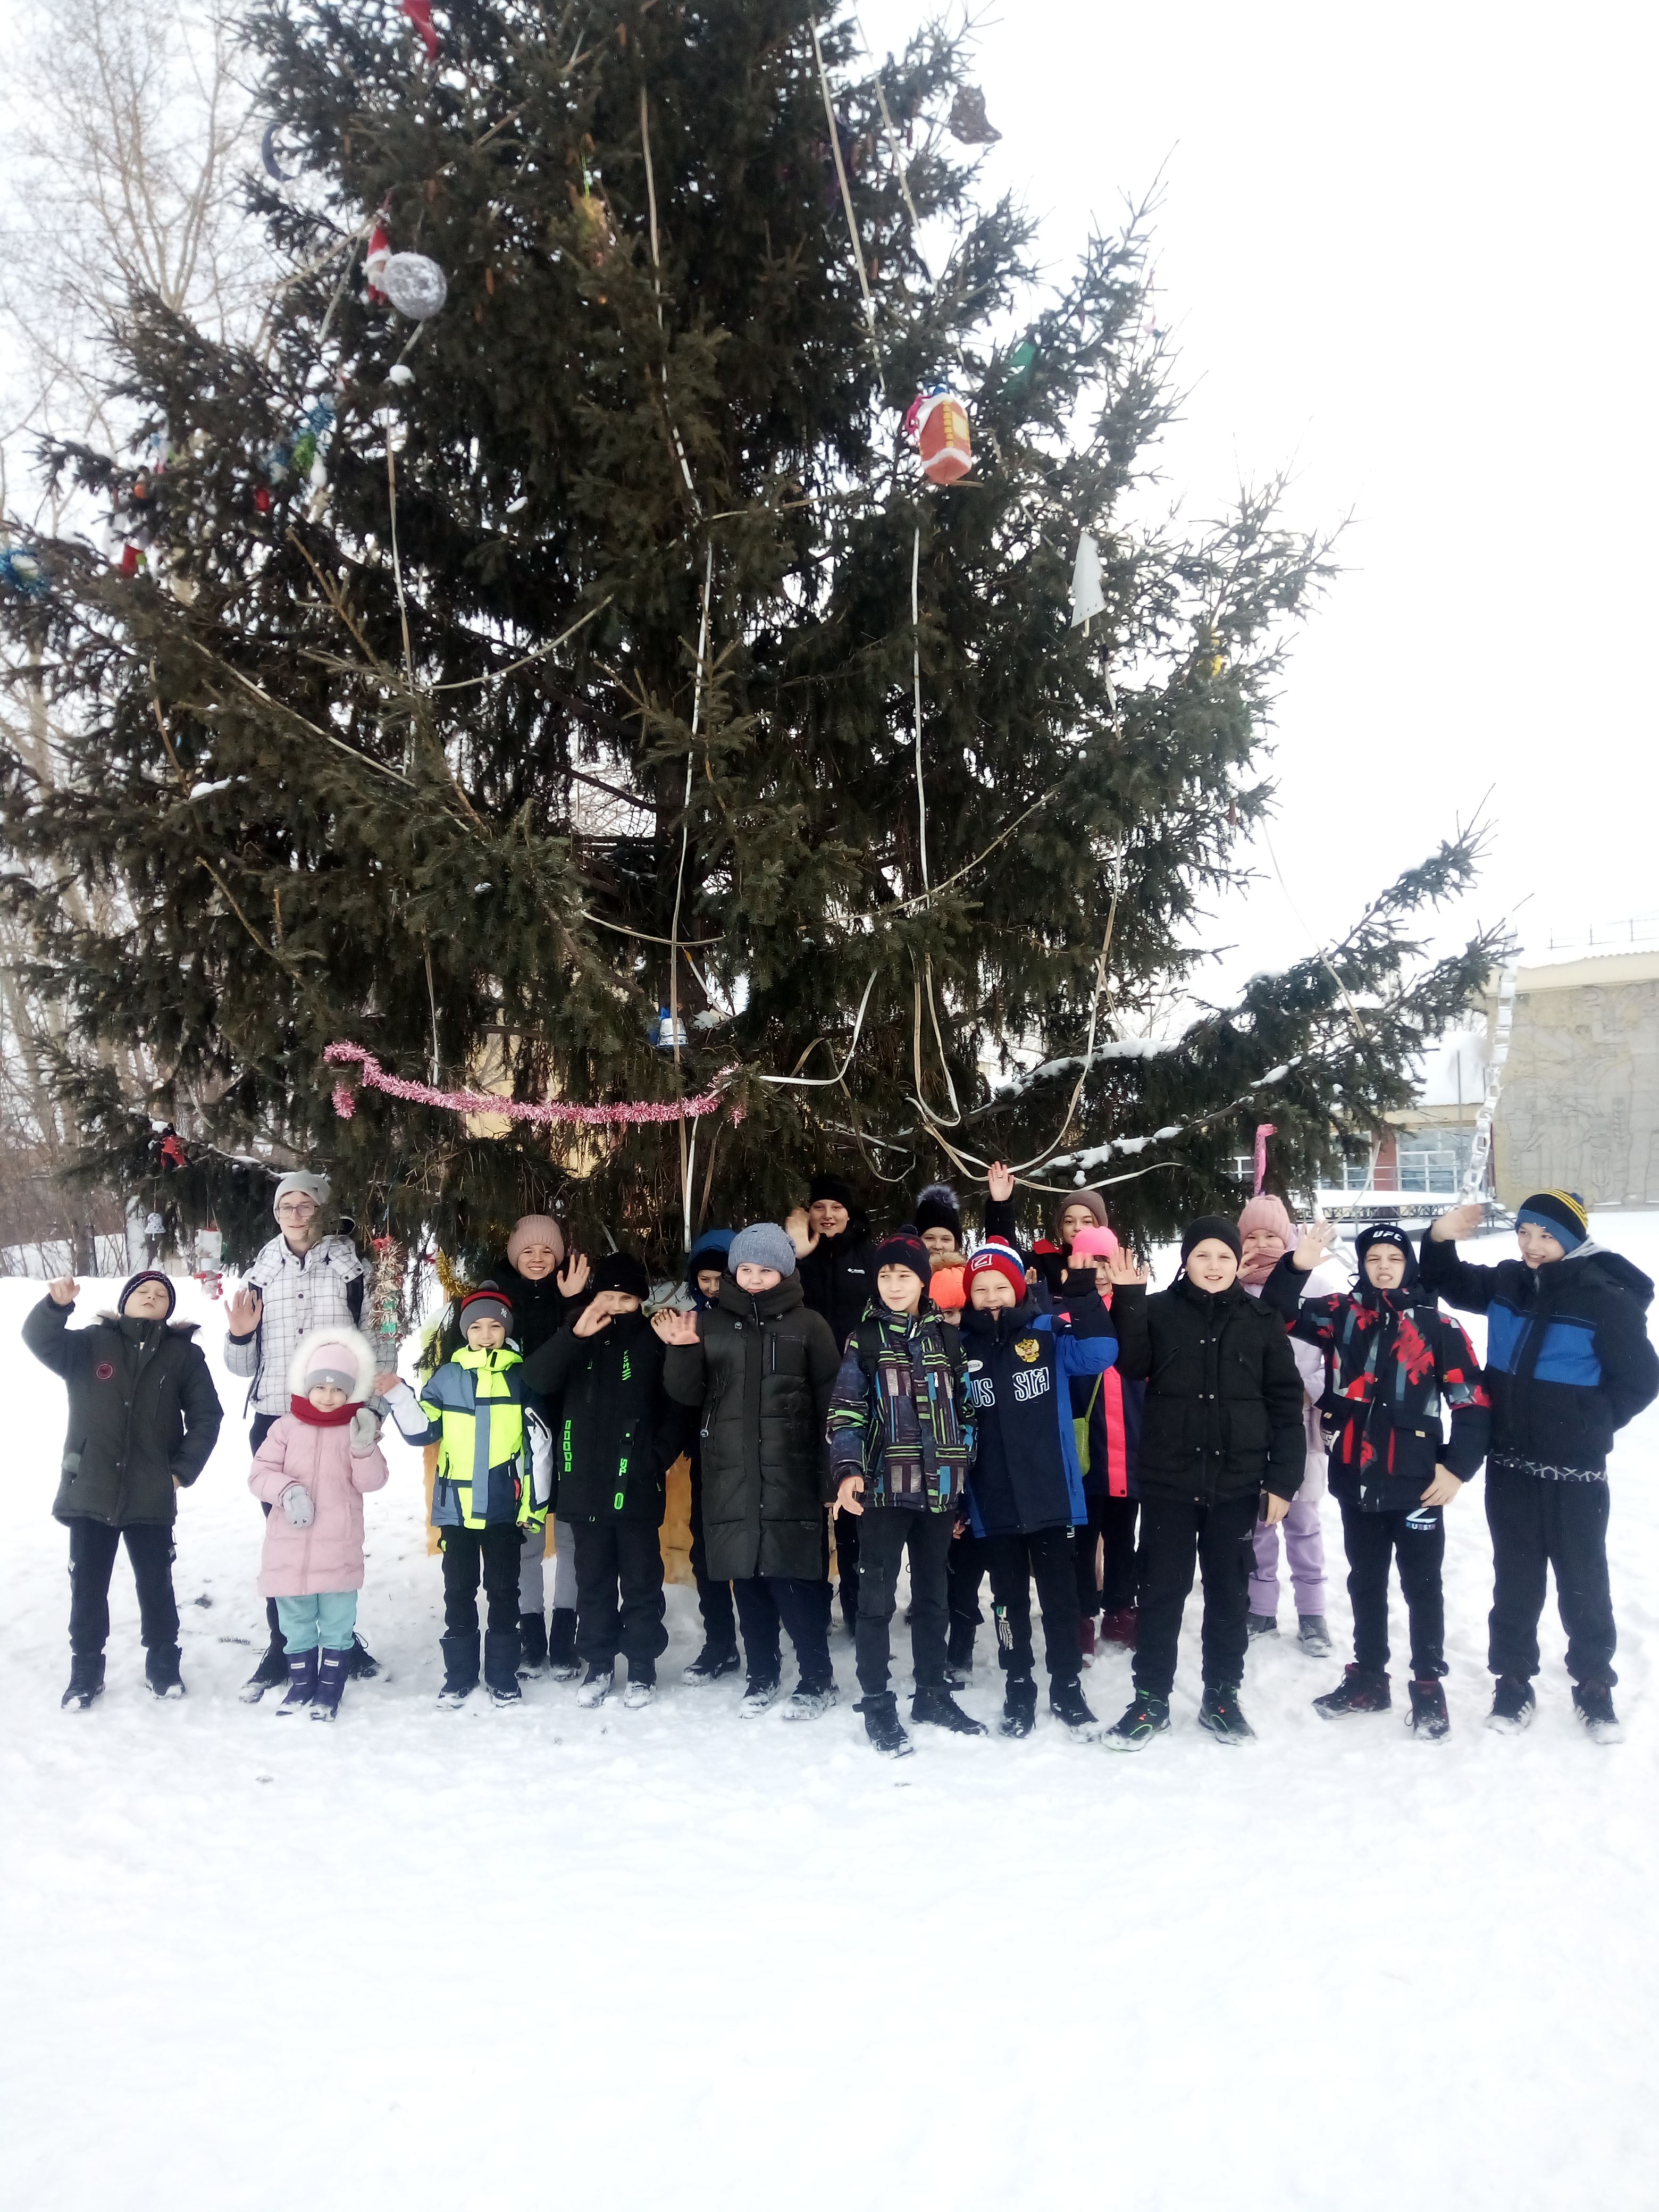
pixel 270 1674
pixel 1593 1703
pixel 302 1682
pixel 938 1709
pixel 86 1681
pixel 883 1726
pixel 959 1651
pixel 532 1644
pixel 563 1664
pixel 500 1666
pixel 1358 1692
pixel 460 1669
pixel 1220 1712
pixel 712 1664
pixel 362 1666
pixel 1513 1705
pixel 1145 1717
pixel 1019 1706
pixel 1065 1702
pixel 1429 1717
pixel 162 1670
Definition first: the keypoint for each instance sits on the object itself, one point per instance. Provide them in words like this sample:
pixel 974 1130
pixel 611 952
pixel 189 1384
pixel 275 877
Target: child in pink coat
pixel 312 1469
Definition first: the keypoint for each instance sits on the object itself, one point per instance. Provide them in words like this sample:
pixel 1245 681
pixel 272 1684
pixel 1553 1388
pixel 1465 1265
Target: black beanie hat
pixel 937 1208
pixel 1560 1213
pixel 147 1275
pixel 835 1187
pixel 904 1249
pixel 1211 1225
pixel 1387 1232
pixel 621 1271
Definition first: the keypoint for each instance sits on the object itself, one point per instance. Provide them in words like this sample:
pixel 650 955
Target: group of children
pixel 1010 1412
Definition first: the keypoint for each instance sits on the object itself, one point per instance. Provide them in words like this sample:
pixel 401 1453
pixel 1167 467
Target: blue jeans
pixel 324 1622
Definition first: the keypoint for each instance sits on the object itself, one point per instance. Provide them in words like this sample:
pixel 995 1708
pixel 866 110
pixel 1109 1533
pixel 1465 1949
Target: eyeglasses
pixel 300 1209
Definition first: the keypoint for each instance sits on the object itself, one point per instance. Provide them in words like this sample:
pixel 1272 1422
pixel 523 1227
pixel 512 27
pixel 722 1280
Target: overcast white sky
pixel 1409 253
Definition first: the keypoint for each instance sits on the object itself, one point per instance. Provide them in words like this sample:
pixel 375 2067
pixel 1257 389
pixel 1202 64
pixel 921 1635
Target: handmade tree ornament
pixel 594 218
pixel 1022 363
pixel 937 423
pixel 268 156
pixel 388 1319
pixel 1088 594
pixel 305 456
pixel 1263 1131
pixel 419 13
pixel 969 124
pixel 23 573
pixel 374 261
pixel 415 286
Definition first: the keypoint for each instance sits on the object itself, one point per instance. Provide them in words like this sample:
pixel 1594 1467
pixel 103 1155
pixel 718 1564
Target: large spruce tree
pixel 586 683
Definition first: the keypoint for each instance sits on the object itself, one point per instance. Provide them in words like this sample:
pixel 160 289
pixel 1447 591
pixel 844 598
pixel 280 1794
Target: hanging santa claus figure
pixel 380 252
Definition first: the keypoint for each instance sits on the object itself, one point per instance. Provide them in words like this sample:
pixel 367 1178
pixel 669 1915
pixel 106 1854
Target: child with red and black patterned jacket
pixel 1409 1424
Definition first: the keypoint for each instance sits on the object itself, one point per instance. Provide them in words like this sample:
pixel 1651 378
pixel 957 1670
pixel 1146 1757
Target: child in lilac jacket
pixel 1267 1233
pixel 313 1470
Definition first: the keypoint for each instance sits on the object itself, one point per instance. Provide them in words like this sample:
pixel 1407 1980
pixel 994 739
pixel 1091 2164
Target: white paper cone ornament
pixel 1088 598
pixel 415 286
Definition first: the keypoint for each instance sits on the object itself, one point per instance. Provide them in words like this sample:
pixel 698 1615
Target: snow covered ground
pixel 670 1958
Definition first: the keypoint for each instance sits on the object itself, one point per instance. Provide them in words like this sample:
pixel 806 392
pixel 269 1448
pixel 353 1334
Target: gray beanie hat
pixel 300 1182
pixel 762 1244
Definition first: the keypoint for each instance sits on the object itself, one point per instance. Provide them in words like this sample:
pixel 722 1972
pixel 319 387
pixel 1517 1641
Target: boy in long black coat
pixel 143 1418
pixel 617 1436
pixel 1568 1363
pixel 1220 1440
pixel 762 1367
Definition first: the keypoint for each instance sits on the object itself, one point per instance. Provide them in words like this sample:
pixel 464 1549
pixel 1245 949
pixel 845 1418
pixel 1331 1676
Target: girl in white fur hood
pixel 312 1469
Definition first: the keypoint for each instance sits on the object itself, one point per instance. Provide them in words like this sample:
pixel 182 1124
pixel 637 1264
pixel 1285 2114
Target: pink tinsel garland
pixel 481 1102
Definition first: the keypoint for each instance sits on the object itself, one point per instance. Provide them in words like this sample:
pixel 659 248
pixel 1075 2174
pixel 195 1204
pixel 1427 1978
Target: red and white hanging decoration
pixel 937 424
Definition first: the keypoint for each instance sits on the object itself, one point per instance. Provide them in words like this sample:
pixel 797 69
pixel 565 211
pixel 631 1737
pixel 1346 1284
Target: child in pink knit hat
pixel 1267 1233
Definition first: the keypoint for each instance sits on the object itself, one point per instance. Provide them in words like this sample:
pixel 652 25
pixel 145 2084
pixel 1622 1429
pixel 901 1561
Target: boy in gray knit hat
pixel 764 1365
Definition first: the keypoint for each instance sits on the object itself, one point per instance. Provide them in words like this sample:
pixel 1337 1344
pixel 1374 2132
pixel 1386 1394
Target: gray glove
pixel 296 1504
pixel 365 1432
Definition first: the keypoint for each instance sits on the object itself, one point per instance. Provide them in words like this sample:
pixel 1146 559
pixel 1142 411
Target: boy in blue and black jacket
pixel 901 1437
pixel 1025 1490
pixel 1568 1363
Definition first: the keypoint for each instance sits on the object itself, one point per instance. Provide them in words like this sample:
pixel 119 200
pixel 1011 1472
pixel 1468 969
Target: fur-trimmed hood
pixel 362 1358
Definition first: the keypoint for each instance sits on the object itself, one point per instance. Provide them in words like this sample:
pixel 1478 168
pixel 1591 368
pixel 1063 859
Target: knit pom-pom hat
pixel 938 1207
pixel 997 1258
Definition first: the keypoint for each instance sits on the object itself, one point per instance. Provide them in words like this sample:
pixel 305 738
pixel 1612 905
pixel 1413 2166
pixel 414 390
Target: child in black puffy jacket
pixel 618 1433
pixel 1221 1440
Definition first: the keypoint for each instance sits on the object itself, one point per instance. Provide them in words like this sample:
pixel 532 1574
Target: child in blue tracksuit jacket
pixel 1568 1363
pixel 1025 1490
